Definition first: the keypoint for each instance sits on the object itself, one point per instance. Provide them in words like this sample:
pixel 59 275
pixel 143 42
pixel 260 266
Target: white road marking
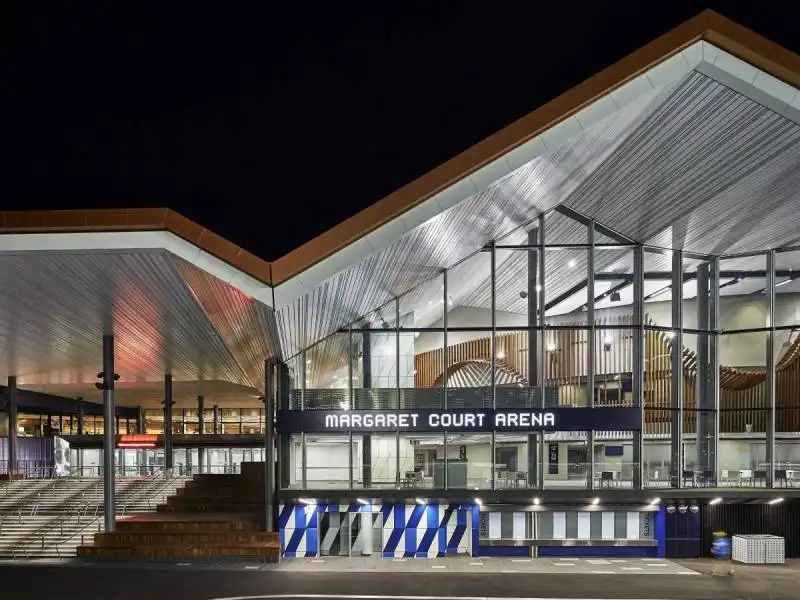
pixel 631 568
pixel 398 560
pixel 318 561
pixel 619 560
pixel 657 564
pixel 521 559
pixel 251 567
pixel 603 572
pixel 364 597
pixel 508 571
pixel 687 573
pixel 184 564
pixel 476 564
pixel 599 561
pixel 438 567
pixel 563 564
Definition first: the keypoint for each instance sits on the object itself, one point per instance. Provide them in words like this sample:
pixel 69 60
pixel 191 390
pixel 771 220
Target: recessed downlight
pixel 596 501
pixel 536 502
pixel 776 501
pixel 715 501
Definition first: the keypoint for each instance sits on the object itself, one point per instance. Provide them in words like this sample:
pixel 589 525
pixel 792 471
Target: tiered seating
pixel 213 516
pixel 46 518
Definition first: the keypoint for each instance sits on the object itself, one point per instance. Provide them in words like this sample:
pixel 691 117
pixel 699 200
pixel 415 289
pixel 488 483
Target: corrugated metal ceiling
pixel 166 314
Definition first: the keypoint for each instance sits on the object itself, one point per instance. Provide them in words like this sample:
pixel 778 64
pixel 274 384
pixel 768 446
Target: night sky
pixel 270 126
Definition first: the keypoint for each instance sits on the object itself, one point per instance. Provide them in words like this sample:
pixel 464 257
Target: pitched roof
pixel 709 26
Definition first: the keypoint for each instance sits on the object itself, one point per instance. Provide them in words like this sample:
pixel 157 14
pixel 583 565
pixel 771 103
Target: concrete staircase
pixel 211 517
pixel 41 518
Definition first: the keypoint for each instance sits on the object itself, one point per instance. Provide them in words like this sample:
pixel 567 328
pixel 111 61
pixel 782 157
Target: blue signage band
pixel 471 420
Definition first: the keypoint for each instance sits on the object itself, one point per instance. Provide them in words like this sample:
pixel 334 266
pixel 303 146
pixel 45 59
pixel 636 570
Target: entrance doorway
pixel 350 534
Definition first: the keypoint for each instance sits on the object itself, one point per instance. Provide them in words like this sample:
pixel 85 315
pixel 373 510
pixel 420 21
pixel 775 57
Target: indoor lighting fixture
pixel 715 501
pixel 421 501
pixel 655 501
pixel 306 501
pixel 308 362
pixel 776 501
pixel 607 340
pixel 538 287
pixel 478 502
pixel 571 264
pixel 596 501
pixel 501 355
pixel 536 502
pixel 416 334
pixel 670 335
pixel 551 347
pixel 343 405
pixel 361 501
pixel 784 282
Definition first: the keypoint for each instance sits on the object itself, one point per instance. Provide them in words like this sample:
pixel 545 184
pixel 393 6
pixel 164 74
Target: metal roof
pixel 696 130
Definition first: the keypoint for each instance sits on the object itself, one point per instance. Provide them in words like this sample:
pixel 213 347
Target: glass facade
pixel 567 313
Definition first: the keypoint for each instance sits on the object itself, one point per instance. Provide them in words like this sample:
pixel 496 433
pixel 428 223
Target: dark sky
pixel 270 124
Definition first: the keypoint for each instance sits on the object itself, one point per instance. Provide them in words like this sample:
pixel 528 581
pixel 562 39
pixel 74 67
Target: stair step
pixel 180 551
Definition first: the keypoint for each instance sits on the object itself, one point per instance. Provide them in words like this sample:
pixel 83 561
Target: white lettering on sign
pixel 525 420
pixel 439 420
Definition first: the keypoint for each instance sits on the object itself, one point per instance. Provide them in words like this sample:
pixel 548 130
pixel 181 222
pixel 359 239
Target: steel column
pixel 493 380
pixel 201 426
pixel 676 381
pixel 713 362
pixel 445 362
pixel 540 345
pixel 397 402
pixel 638 360
pixel 12 426
pixel 140 420
pixel 534 458
pixel 591 342
pixel 704 405
pixel 215 415
pixel 770 381
pixel 269 444
pixel 366 438
pixel 109 435
pixel 168 404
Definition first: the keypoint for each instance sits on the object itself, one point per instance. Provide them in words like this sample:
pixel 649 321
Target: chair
pixel 688 476
pixel 745 475
pixel 760 476
pixel 781 477
pixel 607 478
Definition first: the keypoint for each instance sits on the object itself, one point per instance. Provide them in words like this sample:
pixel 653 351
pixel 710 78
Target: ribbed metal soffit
pixel 167 316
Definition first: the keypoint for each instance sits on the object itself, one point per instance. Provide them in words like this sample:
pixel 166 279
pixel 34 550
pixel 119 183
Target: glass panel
pixel 614 466
pixel 565 283
pixel 513 468
pixel 469 369
pixel 469 292
pixel 657 288
pixel 743 303
pixel 328 461
pixel 566 459
pixel 421 455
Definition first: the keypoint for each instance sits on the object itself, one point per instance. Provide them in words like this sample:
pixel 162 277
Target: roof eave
pixel 709 26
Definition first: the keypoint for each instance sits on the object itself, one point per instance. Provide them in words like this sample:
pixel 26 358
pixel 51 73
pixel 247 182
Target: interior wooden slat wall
pixel 743 399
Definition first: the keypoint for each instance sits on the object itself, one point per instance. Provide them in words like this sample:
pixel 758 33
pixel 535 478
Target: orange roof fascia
pixel 136 219
pixel 708 25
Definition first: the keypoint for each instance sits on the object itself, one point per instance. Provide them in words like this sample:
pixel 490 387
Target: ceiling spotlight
pixel 670 335
pixel 655 501
pixel 551 347
pixel 776 501
pixel 536 502
pixel 501 355
pixel 596 501
pixel 420 501
pixel 607 340
pixel 538 287
pixel 571 264
pixel 478 502
pixel 306 502
pixel 715 501
pixel 361 501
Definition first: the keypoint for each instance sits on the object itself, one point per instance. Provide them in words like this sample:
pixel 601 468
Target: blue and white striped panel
pixel 423 531
pixel 297 527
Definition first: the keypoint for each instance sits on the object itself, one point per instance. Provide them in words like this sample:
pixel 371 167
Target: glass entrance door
pixel 334 534
pixel 366 534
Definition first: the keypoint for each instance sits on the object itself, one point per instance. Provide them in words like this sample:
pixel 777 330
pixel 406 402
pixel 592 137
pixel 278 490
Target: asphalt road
pixel 155 582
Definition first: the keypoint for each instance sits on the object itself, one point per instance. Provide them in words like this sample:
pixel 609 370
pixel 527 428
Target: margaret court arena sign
pixel 423 420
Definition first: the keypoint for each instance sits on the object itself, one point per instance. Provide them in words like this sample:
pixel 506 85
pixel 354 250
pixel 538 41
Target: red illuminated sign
pixel 137 440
